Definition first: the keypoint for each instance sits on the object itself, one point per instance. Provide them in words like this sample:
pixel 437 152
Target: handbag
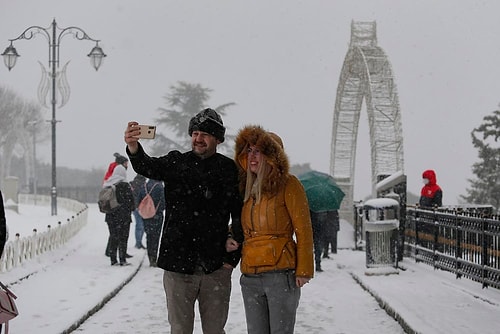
pixel 8 308
pixel 264 250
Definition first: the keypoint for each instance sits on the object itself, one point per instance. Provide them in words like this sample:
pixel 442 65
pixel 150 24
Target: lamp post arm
pixel 54 38
pixel 31 32
pixel 79 34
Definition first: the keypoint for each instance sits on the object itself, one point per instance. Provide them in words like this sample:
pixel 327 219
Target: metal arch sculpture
pixel 366 73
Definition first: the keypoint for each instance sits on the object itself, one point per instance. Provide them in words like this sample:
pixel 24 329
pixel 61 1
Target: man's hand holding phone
pixel 136 131
pixel 146 131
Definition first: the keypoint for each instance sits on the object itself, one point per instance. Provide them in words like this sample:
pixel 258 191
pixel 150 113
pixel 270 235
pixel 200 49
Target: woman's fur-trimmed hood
pixel 271 146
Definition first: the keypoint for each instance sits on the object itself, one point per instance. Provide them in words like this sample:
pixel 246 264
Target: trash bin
pixel 381 223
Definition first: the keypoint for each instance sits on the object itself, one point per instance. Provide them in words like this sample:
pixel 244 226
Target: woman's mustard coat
pixel 281 219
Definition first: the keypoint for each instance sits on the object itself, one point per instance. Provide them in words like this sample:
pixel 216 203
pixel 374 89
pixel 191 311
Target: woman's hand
pixel 301 281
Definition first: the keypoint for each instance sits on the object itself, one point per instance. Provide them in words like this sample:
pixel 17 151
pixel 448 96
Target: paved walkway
pixel 58 292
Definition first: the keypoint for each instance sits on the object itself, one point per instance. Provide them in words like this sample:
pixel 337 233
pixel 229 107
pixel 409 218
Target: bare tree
pixel 20 121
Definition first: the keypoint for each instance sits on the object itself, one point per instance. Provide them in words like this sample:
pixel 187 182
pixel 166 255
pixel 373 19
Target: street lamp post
pixel 33 128
pixel 54 35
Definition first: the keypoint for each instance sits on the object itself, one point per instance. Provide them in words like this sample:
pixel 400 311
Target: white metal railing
pixel 20 249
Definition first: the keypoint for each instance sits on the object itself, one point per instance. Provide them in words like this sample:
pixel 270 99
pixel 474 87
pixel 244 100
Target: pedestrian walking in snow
pixel 137 185
pixel 331 231
pixel 318 221
pixel 152 226
pixel 120 218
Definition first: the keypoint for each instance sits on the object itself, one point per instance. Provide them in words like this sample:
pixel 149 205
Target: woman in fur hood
pixel 277 252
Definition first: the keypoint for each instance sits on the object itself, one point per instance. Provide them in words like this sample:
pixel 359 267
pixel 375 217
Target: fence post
pixel 458 244
pixel 486 244
pixel 417 230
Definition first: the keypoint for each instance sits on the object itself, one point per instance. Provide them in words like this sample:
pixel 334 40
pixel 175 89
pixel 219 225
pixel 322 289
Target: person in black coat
pixel 3 230
pixel 120 218
pixel 201 196
pixel 152 226
pixel 332 228
pixel 318 220
pixel 137 185
pixel 3 226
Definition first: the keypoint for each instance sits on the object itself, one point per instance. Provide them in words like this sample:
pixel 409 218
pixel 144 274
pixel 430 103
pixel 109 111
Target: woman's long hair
pixel 254 182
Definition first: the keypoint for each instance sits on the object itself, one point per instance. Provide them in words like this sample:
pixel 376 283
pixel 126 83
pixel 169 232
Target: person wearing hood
pixel 120 218
pixel 431 194
pixel 277 252
pixel 201 198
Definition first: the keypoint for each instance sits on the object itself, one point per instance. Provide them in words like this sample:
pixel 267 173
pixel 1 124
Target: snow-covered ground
pixel 58 291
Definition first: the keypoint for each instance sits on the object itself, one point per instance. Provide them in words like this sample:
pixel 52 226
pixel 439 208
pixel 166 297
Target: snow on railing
pixel 20 249
pixel 464 240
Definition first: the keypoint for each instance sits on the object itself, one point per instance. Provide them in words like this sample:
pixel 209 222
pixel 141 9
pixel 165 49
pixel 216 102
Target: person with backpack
pixel 119 160
pixel 137 185
pixel 152 224
pixel 119 218
pixel 201 197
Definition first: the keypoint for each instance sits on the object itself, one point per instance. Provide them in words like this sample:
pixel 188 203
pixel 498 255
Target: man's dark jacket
pixel 201 195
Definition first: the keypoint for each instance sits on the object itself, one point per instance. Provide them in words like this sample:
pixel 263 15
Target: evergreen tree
pixel 183 102
pixel 485 188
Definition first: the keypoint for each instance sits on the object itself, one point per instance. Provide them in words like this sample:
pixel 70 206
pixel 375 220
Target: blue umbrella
pixel 323 194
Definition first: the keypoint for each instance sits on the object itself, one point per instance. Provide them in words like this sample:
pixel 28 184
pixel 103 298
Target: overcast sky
pixel 279 61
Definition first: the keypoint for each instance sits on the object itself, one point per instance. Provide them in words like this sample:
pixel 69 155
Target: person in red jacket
pixel 431 194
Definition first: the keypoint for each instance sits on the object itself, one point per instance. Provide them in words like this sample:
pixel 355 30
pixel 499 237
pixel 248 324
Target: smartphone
pixel 147 131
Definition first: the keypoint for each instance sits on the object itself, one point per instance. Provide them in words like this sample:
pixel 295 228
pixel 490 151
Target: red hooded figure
pixel 431 194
